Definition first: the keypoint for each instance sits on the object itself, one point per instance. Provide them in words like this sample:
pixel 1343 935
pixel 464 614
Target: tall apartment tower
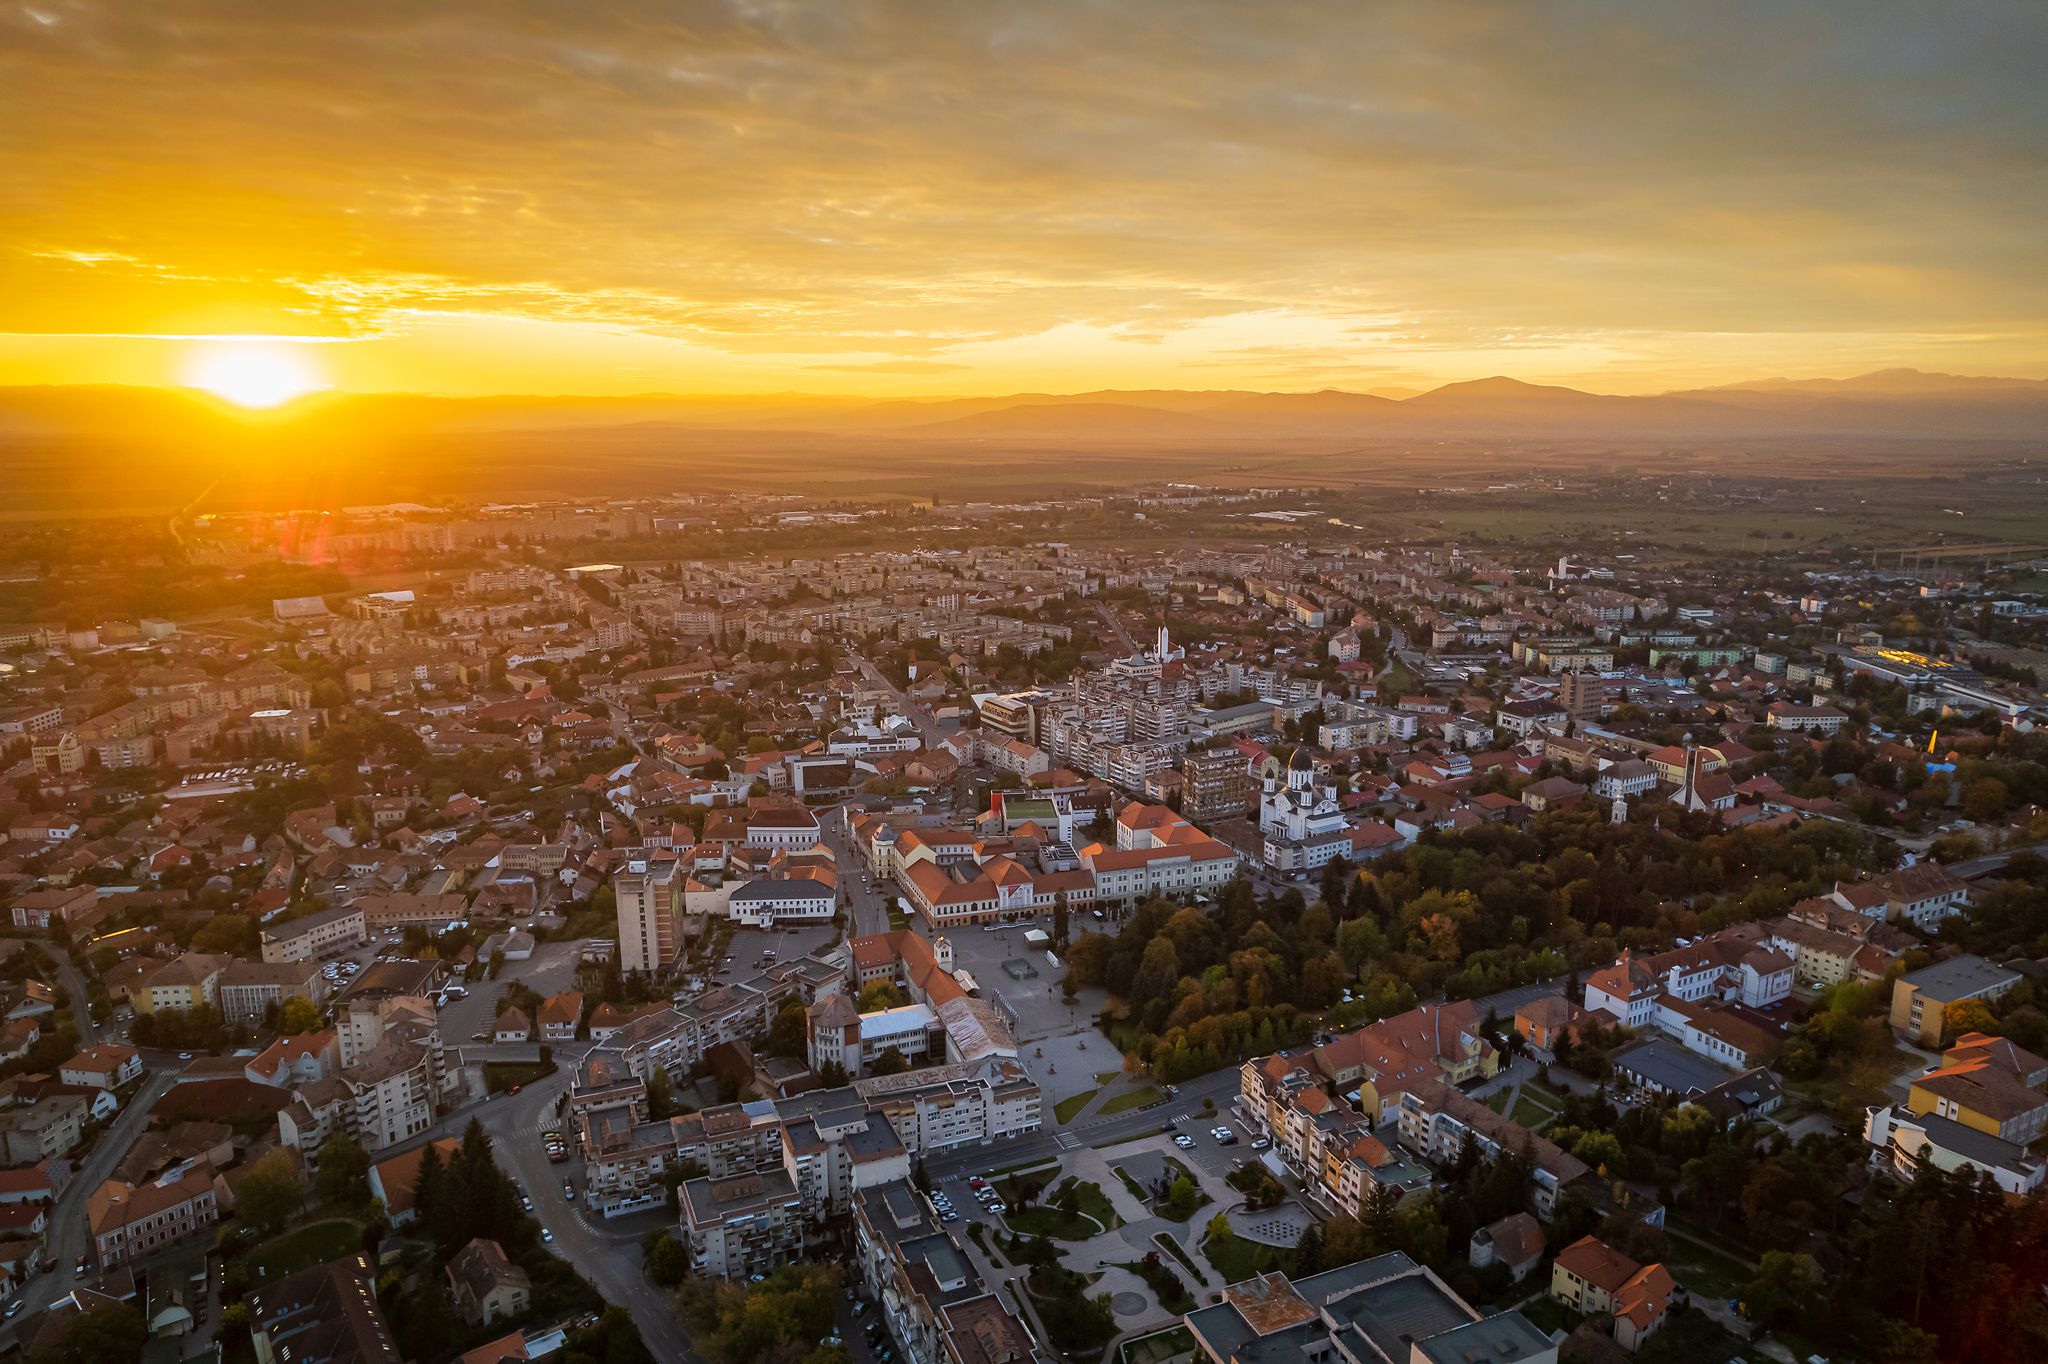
pixel 1583 696
pixel 650 907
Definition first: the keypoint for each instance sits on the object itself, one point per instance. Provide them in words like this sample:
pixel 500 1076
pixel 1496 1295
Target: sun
pixel 254 374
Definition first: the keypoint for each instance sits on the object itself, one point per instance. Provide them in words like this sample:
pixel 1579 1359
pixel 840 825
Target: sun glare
pixel 254 375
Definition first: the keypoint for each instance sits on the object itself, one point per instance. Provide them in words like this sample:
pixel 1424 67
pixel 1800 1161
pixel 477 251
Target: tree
pixel 1059 919
pixel 668 1264
pixel 227 934
pixel 1183 1198
pixel 1984 799
pixel 1786 1287
pixel 890 1062
pixel 661 1094
pixel 1308 1251
pixel 344 1175
pixel 296 1016
pixel 788 1034
pixel 270 1192
pixel 1969 1015
pixel 882 994
pixel 115 1331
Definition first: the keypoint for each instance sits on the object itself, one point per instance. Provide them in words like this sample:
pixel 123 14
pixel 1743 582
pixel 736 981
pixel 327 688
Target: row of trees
pixel 1462 913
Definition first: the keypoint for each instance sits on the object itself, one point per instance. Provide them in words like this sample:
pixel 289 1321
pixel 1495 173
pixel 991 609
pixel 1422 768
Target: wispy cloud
pixel 814 186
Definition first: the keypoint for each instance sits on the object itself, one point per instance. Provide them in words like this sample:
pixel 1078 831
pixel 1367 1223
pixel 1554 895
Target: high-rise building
pixel 650 908
pixel 1583 696
pixel 1218 784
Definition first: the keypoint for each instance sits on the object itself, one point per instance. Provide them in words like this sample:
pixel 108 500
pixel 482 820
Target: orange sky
pixel 937 198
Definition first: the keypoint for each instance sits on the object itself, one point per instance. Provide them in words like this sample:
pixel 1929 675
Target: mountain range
pixel 1889 403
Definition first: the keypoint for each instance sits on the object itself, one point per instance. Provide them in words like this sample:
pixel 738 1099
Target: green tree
pixel 270 1192
pixel 109 1332
pixel 297 1016
pixel 882 994
pixel 668 1264
pixel 1787 1287
pixel 344 1171
pixel 787 1034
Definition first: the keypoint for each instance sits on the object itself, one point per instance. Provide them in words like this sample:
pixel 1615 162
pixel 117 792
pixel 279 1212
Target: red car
pixel 514 1090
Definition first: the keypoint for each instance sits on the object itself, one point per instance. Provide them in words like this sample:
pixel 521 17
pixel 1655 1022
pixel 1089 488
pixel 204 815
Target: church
pixel 1302 825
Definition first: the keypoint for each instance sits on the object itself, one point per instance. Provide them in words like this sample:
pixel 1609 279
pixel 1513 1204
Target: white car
pixel 1183 1141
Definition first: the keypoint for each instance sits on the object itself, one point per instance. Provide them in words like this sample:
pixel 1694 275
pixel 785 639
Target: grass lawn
pixel 1166 1285
pixel 1172 1247
pixel 1137 1098
pixel 897 918
pixel 1137 1190
pixel 1531 1114
pixel 1094 1203
pixel 315 1243
pixel 1237 1259
pixel 1066 1108
pixel 1157 1347
pixel 502 1075
pixel 1703 1269
pixel 1497 1101
pixel 977 1233
pixel 1546 1313
pixel 1845 1092
pixel 1092 1214
pixel 1103 1077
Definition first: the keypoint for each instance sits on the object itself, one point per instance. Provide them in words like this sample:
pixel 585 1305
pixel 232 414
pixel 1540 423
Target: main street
pixel 870 905
pixel 607 1254
pixel 81 1002
pixel 1116 626
pixel 66 1238
pixel 927 728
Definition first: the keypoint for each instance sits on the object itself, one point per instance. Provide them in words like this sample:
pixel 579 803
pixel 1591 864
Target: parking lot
pixel 550 970
pixel 746 953
pixel 1041 1010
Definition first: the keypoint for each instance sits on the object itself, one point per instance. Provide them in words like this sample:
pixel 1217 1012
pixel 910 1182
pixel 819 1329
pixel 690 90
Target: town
pixel 1178 923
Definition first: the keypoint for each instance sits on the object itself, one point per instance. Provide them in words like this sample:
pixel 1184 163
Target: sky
pixel 940 198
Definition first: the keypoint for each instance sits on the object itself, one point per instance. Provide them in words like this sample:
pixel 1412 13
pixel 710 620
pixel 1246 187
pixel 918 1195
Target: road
pixel 1220 1085
pixel 1991 862
pixel 607 1254
pixel 870 905
pixel 81 1002
pixel 66 1239
pixel 927 728
pixel 1116 626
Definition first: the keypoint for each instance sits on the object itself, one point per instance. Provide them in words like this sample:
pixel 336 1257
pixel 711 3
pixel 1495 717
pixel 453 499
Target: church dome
pixel 1301 761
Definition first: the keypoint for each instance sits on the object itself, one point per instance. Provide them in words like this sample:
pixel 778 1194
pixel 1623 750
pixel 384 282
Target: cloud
pixel 896 367
pixel 780 182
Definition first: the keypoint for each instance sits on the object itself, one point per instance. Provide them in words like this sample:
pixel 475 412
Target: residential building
pixel 43 1128
pixel 108 1066
pixel 1903 1142
pixel 188 981
pixel 1592 1277
pixel 327 1314
pixel 1920 1000
pixel 1989 1084
pixel 649 897
pixel 129 1222
pixel 1386 1310
pixel 317 934
pixel 249 990
pixel 741 1225
pixel 487 1286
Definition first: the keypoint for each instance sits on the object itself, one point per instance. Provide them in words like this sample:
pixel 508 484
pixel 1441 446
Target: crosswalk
pixel 1067 1141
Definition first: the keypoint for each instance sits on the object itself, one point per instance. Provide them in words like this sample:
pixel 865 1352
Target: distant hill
pixel 111 446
